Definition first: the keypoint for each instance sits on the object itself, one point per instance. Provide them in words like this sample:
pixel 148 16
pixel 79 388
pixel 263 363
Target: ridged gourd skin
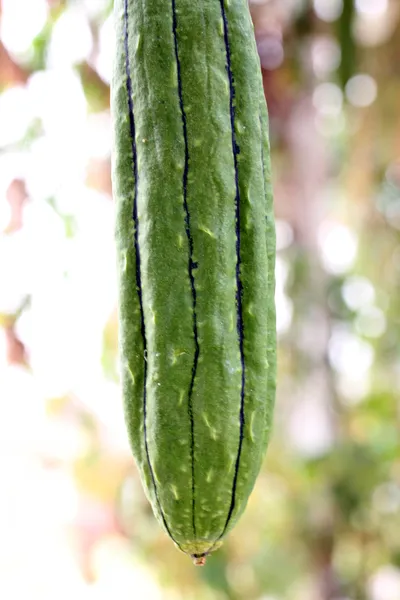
pixel 196 256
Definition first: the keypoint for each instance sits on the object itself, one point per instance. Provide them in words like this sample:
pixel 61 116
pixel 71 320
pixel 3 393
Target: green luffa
pixel 196 254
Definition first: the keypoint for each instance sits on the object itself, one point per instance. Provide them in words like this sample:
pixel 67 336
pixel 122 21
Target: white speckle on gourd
pixel 153 314
pixel 231 463
pixel 174 75
pixel 207 231
pixel 252 437
pixel 177 353
pixel 250 309
pixel 213 432
pixel 205 419
pixel 209 476
pixel 131 374
pixel 174 491
pixel 124 256
pixel 239 126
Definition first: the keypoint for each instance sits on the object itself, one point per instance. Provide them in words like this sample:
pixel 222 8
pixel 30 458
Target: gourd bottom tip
pixel 199 559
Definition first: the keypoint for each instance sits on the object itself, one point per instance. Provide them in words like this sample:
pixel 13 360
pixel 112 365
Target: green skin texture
pixel 198 428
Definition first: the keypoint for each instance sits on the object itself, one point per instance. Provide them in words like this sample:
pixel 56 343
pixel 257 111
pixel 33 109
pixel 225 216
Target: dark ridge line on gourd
pixel 239 325
pixel 191 264
pixel 132 129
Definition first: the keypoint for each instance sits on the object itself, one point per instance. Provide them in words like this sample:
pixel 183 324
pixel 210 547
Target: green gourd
pixel 196 255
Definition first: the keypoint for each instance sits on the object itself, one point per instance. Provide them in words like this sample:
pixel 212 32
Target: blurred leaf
pixel 97 92
pixel 347 44
pixel 109 358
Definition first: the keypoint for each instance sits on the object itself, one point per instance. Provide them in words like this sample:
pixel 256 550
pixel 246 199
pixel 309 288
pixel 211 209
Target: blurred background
pixel 323 522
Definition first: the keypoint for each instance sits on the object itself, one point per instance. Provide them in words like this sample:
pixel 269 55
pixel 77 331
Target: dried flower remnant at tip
pixel 199 560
